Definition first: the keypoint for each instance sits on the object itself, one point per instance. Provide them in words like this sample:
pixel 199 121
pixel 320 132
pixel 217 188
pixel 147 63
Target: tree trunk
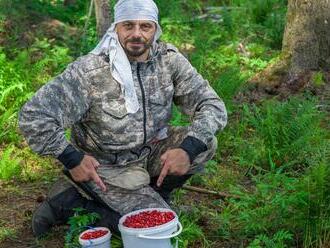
pixel 69 2
pixel 305 51
pixel 103 19
pixel 307 35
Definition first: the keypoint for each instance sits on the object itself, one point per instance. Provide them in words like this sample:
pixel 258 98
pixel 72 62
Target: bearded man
pixel 117 100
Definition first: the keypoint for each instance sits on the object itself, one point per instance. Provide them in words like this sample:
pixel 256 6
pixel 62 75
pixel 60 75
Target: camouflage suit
pixel 88 100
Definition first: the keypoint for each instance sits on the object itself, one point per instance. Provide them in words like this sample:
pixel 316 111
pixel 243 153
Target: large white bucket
pixel 152 237
pixel 101 242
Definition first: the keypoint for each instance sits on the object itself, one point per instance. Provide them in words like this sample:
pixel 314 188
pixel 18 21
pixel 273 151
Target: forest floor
pixel 19 200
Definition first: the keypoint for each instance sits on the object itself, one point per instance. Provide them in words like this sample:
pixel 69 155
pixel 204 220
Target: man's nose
pixel 136 32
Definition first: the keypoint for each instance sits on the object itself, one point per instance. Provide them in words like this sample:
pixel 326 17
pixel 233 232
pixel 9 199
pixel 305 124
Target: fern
pixel 290 134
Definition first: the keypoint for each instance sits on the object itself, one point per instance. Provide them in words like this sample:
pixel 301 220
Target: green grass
pixel 7 233
pixel 9 164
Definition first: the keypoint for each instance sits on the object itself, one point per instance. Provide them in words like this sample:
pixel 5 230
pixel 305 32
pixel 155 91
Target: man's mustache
pixel 137 40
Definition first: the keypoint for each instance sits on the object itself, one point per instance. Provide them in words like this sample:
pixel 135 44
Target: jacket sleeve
pixel 196 98
pixel 55 107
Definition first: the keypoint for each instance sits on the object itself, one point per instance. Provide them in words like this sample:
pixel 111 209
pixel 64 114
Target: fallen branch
pixel 211 192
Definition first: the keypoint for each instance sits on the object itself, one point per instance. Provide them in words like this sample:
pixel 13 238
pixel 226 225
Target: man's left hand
pixel 175 162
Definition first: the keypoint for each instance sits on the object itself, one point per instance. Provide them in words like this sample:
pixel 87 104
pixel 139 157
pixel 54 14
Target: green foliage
pixel 178 118
pixel 275 205
pixel 277 241
pixel 21 77
pixel 191 231
pixel 318 79
pixel 6 232
pixel 35 167
pixel 317 221
pixel 228 85
pixel 280 136
pixel 78 223
pixel 280 206
pixel 259 20
pixel 282 146
pixel 9 164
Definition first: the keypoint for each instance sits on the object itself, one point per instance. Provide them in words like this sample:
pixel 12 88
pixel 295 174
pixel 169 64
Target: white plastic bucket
pixel 101 242
pixel 151 237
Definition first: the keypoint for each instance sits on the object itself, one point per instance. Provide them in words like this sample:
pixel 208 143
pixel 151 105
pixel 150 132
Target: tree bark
pixel 305 49
pixel 307 35
pixel 69 2
pixel 103 18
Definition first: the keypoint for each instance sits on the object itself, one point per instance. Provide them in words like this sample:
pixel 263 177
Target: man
pixel 117 100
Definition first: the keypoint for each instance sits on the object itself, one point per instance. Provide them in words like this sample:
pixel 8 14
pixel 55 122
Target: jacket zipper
pixel 143 104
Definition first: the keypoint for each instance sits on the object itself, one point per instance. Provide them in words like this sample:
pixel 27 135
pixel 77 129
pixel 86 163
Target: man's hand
pixel 86 171
pixel 174 162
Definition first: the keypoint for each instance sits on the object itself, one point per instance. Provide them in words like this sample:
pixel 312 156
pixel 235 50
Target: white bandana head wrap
pixel 121 71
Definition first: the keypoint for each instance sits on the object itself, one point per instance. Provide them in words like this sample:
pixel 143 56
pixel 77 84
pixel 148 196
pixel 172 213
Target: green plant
pixel 228 85
pixel 178 118
pixel 274 205
pixel 318 79
pixel 21 77
pixel 78 223
pixel 9 164
pixel 191 233
pixel 7 233
pixel 317 220
pixel 279 136
pixel 278 240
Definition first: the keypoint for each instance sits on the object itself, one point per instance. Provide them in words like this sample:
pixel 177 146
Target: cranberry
pixel 94 234
pixel 148 219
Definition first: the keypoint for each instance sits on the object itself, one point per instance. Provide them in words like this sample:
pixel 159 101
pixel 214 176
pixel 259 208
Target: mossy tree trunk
pixel 103 18
pixel 306 48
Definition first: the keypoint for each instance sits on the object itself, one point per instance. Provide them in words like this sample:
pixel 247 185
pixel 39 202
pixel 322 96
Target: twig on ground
pixel 211 192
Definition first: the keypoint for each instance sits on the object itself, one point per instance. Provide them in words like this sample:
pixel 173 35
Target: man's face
pixel 136 37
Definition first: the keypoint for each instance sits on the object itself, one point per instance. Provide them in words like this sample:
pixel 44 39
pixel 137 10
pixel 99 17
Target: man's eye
pixel 128 25
pixel 146 27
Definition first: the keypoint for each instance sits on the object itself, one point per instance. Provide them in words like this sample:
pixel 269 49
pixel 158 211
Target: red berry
pixel 148 219
pixel 94 234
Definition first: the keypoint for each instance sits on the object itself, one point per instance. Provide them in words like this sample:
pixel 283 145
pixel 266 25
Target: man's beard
pixel 139 51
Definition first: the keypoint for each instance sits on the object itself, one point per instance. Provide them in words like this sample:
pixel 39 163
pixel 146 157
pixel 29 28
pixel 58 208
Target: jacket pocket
pixel 114 107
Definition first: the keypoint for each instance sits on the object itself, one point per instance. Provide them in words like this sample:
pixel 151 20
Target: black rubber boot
pixel 43 219
pixel 57 208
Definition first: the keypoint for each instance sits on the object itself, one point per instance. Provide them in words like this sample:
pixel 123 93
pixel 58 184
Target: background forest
pixel 273 157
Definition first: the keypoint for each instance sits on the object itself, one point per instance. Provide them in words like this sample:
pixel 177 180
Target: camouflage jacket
pixel 88 100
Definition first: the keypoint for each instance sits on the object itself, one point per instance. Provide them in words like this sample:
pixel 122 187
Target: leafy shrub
pixel 9 164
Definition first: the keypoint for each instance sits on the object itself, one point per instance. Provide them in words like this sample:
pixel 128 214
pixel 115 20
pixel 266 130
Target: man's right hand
pixel 86 171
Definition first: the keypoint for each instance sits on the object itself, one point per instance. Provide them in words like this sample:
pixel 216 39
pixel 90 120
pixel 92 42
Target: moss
pixel 317 79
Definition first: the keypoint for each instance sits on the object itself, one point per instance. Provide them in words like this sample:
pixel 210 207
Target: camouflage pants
pixel 128 183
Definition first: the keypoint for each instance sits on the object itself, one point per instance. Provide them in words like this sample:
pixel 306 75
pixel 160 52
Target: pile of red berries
pixel 148 219
pixel 94 234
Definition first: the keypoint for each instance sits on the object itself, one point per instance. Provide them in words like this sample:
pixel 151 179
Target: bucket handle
pixel 163 237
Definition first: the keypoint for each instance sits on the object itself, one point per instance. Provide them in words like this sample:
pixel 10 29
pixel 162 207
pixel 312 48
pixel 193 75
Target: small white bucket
pixel 151 237
pixel 101 242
